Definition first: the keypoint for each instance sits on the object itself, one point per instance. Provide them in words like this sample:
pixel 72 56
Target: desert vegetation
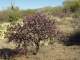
pixel 49 33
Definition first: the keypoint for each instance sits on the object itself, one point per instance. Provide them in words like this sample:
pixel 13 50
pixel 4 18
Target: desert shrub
pixel 75 24
pixel 10 14
pixel 76 14
pixel 35 28
pixel 13 14
pixel 72 5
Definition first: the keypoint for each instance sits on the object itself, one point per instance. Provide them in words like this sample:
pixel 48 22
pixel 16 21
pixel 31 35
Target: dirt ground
pixel 55 52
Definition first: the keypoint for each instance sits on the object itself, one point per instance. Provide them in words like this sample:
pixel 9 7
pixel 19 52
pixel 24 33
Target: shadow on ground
pixel 7 54
pixel 74 39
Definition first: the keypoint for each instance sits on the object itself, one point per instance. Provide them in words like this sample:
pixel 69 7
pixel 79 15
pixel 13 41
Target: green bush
pixel 13 14
pixel 72 5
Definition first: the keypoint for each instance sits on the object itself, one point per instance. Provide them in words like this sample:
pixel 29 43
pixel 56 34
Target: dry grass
pixel 55 52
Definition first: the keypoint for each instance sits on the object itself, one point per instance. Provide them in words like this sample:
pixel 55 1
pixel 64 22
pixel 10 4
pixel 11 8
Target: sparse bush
pixel 34 29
